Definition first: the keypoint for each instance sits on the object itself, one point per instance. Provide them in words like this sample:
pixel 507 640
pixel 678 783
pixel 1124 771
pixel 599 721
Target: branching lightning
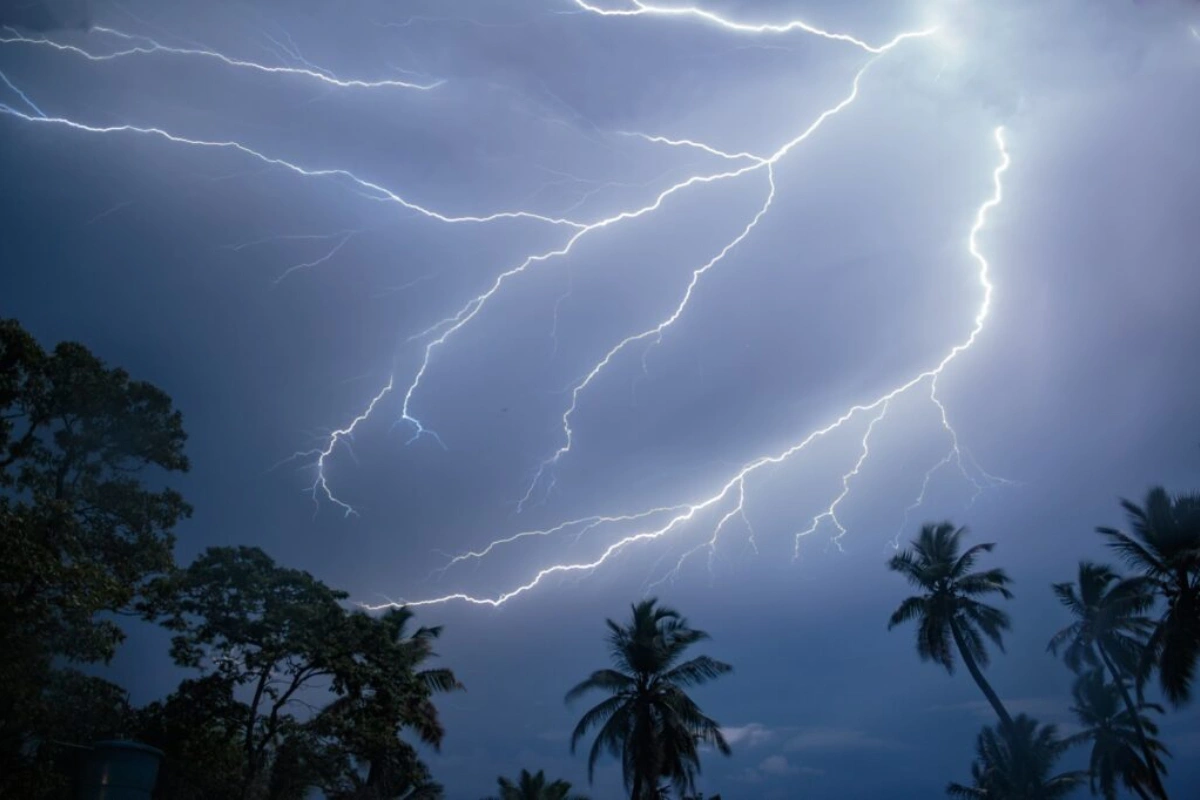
pixel 734 487
pixel 24 97
pixel 655 333
pixel 368 189
pixel 149 46
pixel 718 511
pixel 830 513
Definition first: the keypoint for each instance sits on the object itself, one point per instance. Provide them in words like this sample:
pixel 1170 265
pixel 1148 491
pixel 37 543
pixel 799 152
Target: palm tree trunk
pixel 636 794
pixel 984 686
pixel 1147 753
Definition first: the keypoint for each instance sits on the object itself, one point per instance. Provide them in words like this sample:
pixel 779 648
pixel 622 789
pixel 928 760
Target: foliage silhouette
pixel 273 630
pixel 383 690
pixel 81 531
pixel 1164 546
pixel 1110 729
pixel 278 635
pixel 1109 630
pixel 1014 762
pixel 535 787
pixel 197 727
pixel 649 722
pixel 948 609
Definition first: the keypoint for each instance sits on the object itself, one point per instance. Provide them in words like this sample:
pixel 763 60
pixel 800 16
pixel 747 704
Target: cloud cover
pixel 1082 388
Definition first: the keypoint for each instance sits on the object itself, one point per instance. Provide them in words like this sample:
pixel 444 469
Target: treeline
pixel 289 691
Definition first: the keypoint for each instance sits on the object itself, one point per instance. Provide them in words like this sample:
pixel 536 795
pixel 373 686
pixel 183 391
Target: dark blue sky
pixel 167 258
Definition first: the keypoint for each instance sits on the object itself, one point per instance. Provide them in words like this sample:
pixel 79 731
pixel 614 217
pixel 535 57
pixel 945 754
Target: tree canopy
pixel 85 521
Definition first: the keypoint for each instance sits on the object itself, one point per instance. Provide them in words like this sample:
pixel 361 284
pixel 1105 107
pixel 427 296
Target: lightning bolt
pixel 316 262
pixel 21 95
pixel 656 332
pixel 729 501
pixel 439 333
pixel 734 486
pixel 151 47
pixel 649 9
pixel 367 189
pixel 830 513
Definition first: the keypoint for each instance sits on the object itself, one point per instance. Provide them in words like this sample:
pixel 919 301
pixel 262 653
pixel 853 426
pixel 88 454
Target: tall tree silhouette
pixel 649 722
pixel 948 609
pixel 1164 546
pixel 86 521
pixel 1109 630
pixel 1110 729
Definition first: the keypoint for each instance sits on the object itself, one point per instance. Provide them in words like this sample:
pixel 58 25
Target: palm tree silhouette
pixel 1110 629
pixel 649 722
pixel 1109 727
pixel 1164 547
pixel 948 608
pixel 535 787
pixel 1014 761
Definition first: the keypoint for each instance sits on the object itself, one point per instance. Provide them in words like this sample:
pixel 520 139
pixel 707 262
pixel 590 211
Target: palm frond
pixel 969 792
pixel 992 581
pixel 604 680
pixel 597 715
pixel 699 670
pixel 910 608
pixel 440 680
pixel 964 563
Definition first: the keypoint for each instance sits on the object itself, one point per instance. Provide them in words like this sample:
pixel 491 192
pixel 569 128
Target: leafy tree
pixel 1109 630
pixel 197 727
pixel 81 533
pixel 272 630
pixel 535 787
pixel 1112 733
pixel 282 639
pixel 948 610
pixel 1014 762
pixel 649 721
pixel 404 777
pixel 384 690
pixel 1164 547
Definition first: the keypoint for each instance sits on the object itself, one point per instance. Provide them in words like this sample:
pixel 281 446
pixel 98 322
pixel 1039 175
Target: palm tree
pixel 1014 762
pixel 1164 546
pixel 948 608
pixel 1108 726
pixel 649 722
pixel 1110 629
pixel 534 787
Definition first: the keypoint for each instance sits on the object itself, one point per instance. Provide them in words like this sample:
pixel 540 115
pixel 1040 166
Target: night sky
pixel 274 305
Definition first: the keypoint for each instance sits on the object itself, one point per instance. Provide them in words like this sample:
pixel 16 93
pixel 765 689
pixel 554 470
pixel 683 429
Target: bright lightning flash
pixel 729 502
pixel 680 516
